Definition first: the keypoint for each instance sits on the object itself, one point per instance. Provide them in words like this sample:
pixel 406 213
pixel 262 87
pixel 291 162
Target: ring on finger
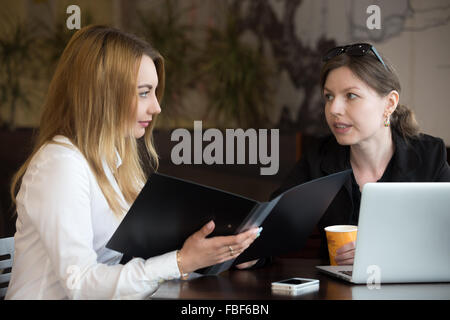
pixel 231 250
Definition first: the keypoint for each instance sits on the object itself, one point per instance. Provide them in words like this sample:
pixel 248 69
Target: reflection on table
pixel 256 285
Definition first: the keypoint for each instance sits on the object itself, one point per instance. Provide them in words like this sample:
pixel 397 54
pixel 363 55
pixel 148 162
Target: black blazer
pixel 421 159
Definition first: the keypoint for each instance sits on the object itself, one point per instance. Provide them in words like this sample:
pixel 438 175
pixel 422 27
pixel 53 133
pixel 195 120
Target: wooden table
pixel 256 285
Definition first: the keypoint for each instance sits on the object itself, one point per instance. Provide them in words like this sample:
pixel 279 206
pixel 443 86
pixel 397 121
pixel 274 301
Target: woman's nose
pixel 154 107
pixel 337 106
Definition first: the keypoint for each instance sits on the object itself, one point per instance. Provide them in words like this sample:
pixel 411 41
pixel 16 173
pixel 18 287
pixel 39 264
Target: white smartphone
pixel 294 284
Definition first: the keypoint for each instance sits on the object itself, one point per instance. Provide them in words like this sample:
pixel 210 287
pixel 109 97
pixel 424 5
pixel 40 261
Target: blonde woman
pixel 85 172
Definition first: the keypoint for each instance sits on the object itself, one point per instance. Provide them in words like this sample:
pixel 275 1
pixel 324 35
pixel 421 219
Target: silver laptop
pixel 403 235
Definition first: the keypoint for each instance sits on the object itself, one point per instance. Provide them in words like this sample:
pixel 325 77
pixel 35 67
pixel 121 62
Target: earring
pixel 387 122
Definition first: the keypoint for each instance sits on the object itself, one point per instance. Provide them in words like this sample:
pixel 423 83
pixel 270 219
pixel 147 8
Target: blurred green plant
pixel 17 68
pixel 232 74
pixel 164 28
pixel 56 38
pixel 25 47
pixel 236 76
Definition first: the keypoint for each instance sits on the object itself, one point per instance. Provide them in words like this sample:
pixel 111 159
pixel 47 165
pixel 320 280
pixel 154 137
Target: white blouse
pixel 63 224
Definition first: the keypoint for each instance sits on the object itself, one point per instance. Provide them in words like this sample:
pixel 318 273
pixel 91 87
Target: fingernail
pixel 210 224
pixel 259 232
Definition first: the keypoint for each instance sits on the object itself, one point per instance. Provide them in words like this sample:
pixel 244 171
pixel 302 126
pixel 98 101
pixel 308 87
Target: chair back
pixel 6 262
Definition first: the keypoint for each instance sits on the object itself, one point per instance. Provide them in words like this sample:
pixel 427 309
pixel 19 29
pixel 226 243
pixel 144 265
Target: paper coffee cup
pixel 337 236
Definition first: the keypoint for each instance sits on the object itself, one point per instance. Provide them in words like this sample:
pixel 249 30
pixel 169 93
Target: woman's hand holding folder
pixel 200 252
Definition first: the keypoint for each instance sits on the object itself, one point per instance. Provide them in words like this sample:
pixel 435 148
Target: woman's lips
pixel 144 124
pixel 340 127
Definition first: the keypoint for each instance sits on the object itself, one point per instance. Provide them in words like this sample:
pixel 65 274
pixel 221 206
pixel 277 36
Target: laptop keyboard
pixel 348 273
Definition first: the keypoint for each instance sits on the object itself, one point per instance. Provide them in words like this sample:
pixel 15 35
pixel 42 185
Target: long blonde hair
pixel 92 101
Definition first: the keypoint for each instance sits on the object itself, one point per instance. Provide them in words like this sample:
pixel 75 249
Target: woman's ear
pixel 391 102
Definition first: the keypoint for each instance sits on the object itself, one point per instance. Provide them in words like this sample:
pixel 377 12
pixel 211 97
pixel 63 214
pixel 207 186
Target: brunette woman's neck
pixel 370 158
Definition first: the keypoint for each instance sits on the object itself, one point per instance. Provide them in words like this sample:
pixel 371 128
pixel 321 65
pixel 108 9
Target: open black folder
pixel 168 210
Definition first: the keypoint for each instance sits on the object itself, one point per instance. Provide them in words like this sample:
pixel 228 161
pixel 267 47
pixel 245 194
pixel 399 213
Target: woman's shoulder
pixel 56 166
pixel 324 154
pixel 323 147
pixel 58 150
pixel 427 145
pixel 424 158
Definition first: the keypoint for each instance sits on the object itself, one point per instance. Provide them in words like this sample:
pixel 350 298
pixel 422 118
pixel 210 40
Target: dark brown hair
pixel 383 80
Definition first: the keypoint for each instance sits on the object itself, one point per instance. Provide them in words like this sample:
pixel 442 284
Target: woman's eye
pixel 351 96
pixel 144 94
pixel 328 97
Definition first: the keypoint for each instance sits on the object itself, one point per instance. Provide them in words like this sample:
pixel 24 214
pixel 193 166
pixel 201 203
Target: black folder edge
pixel 262 211
pixel 255 218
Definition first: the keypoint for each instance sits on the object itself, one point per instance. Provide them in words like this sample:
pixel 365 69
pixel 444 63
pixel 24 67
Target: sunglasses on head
pixel 353 50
